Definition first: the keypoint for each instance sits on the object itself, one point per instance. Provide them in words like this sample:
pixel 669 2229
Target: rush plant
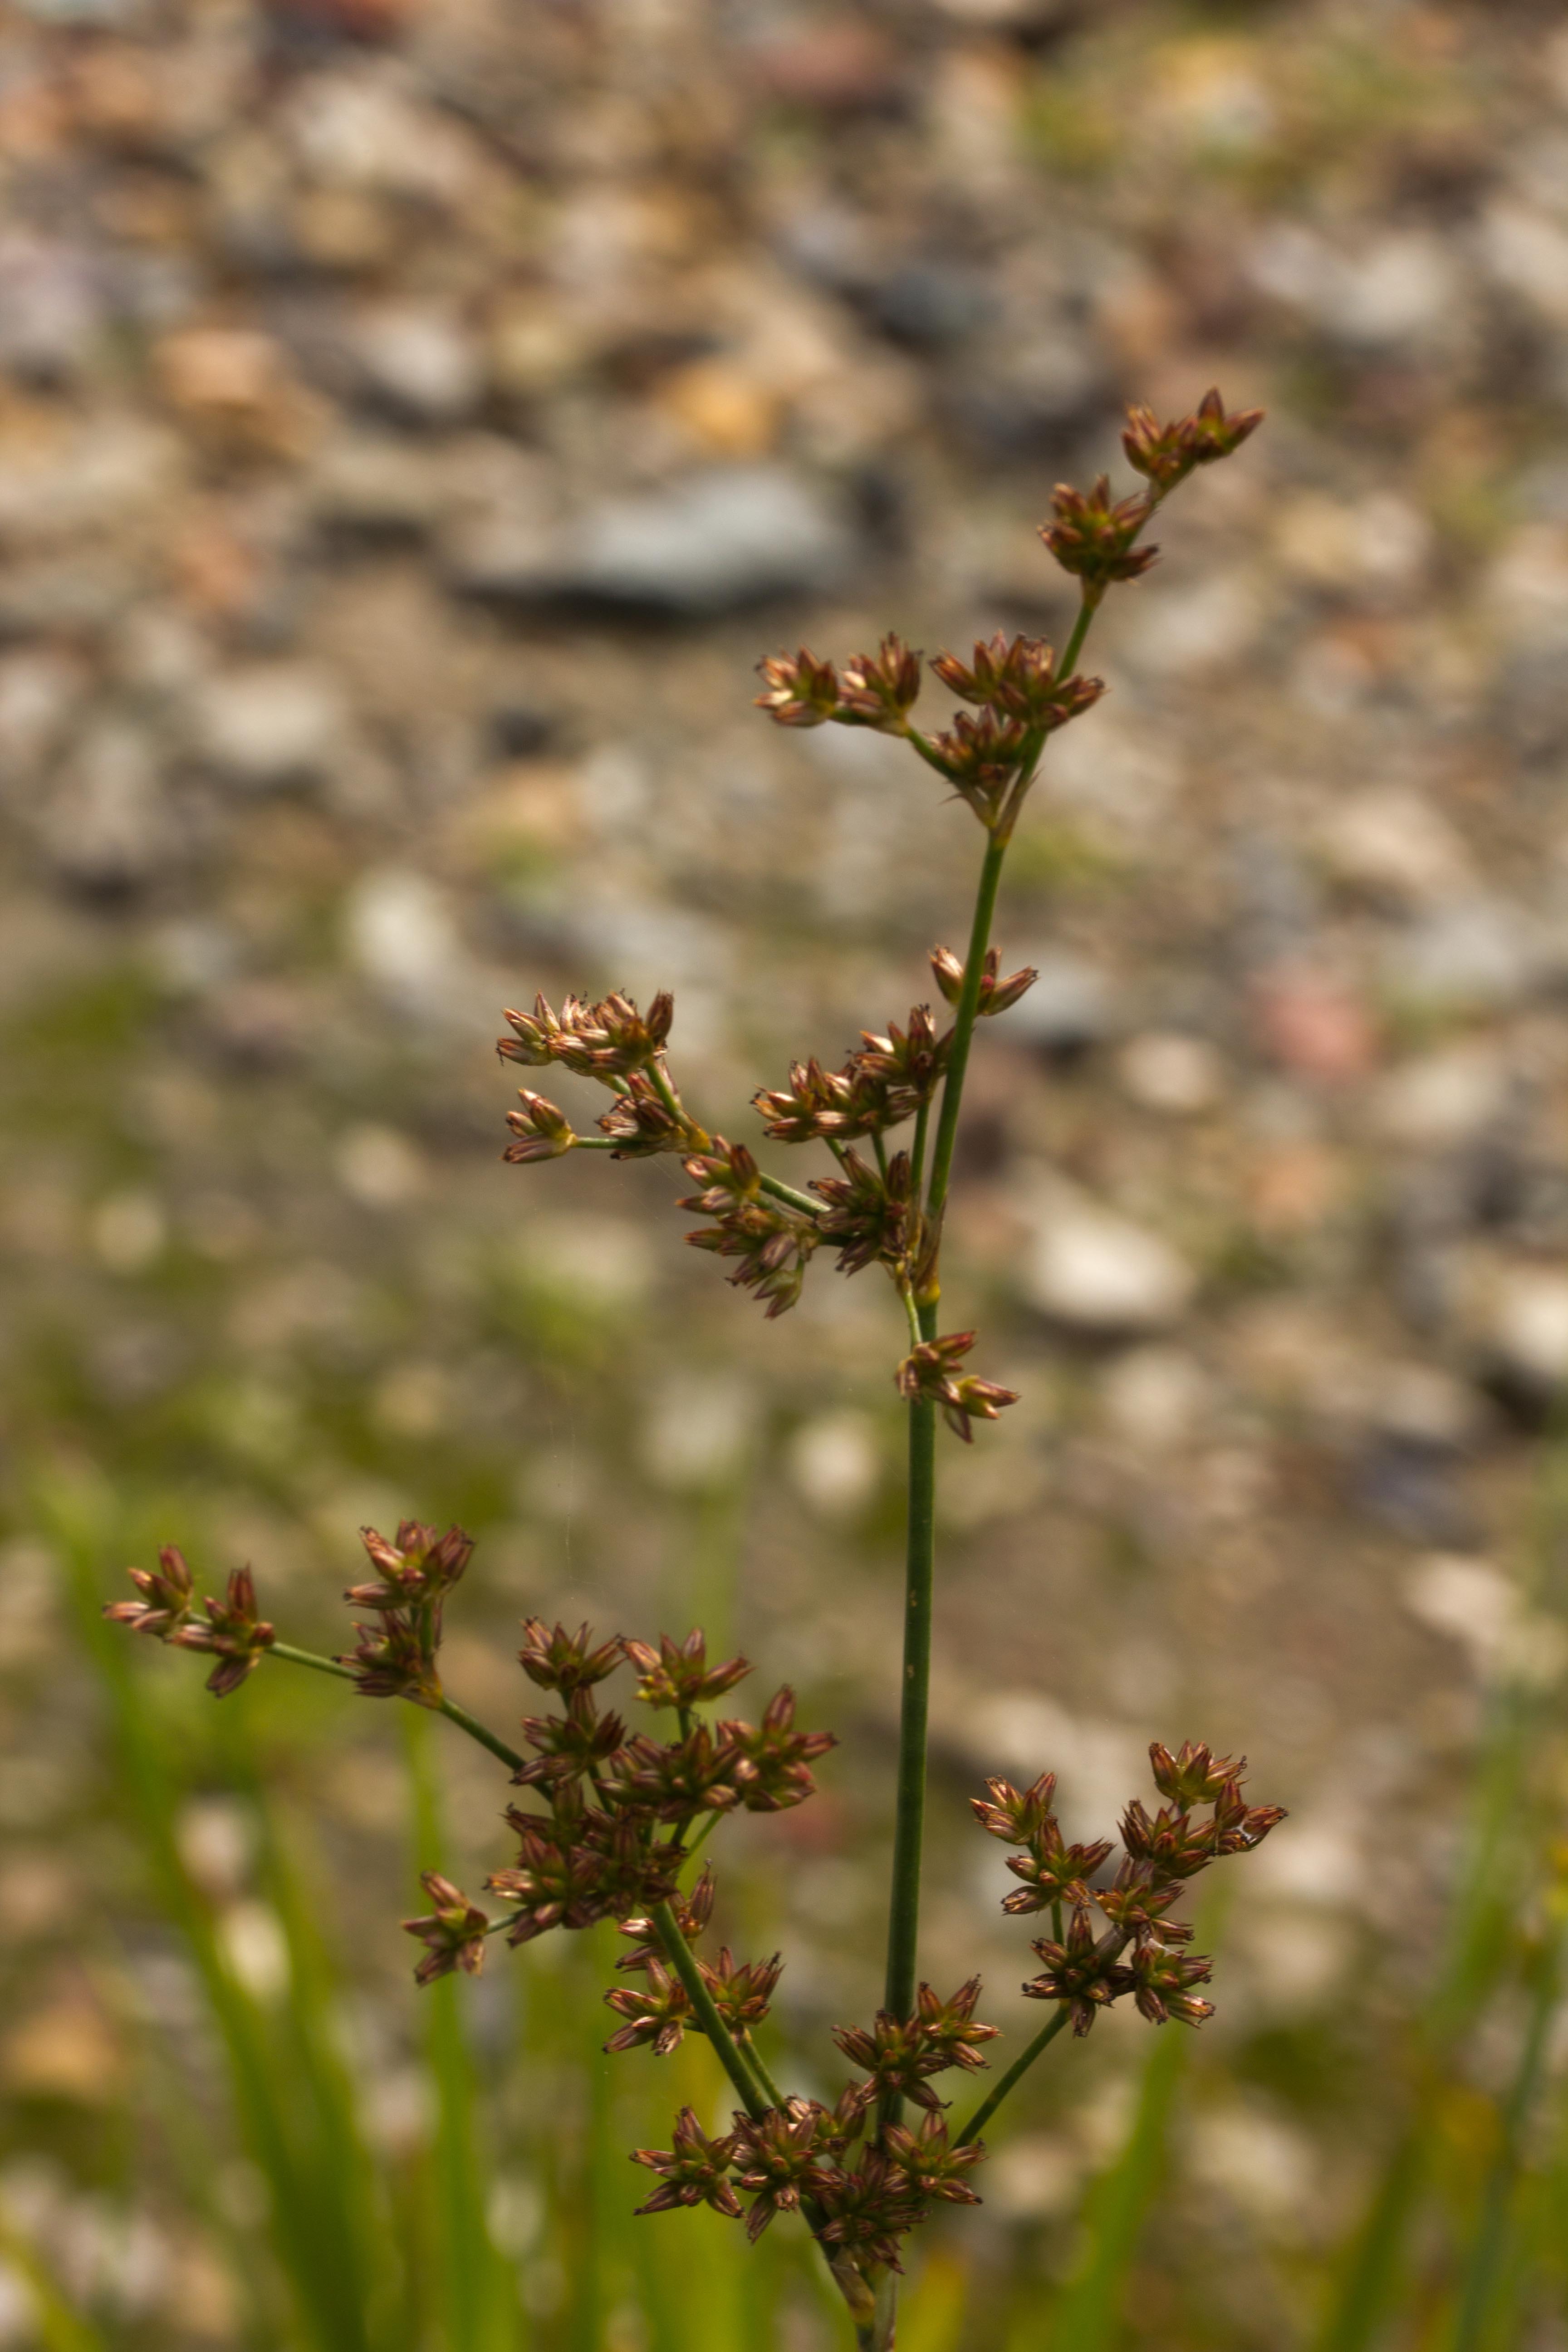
pixel 612 1819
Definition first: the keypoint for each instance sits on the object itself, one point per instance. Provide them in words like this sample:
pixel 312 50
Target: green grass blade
pixel 475 2291
pixel 1088 2314
pixel 306 2230
pixel 932 2316
pixel 1486 2272
pixel 59 2328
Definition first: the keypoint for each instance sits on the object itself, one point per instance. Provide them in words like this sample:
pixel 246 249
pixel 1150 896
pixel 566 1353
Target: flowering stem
pixel 759 2066
pixel 782 1192
pixel 310 1658
pixel 917 1150
pixel 447 1706
pixel 475 1730
pixel 1014 2074
pixel 733 2061
pixel 963 1026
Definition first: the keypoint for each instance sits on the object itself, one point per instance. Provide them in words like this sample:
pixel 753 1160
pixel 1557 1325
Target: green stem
pixel 309 1658
pixel 1014 2074
pixel 917 1150
pixel 782 1192
pixel 475 1730
pixel 753 2097
pixel 964 1026
pixel 904 1906
pixel 1074 646
pixel 1490 2245
pixel 447 1706
pixel 759 2066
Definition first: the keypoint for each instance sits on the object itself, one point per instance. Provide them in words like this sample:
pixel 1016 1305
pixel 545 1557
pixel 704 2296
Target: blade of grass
pixel 1087 2316
pixel 307 2227
pixel 59 2328
pixel 475 2292
pixel 1485 2272
pixel 933 2320
pixel 1486 1900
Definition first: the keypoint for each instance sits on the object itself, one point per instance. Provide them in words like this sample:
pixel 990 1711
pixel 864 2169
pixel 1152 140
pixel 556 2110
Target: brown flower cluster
pixel 232 1631
pixel 1138 1951
pixel 931 1369
pixel 600 1851
pixel 795 2157
pixel 772 1242
pixel 394 1656
pixel 620 1047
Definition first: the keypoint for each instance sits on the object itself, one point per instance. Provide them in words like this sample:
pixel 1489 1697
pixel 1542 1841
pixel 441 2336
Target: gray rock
pixel 1472 954
pixel 51 306
pixel 714 542
pixel 107 830
pixel 422 363
pixel 273 724
pixel 1069 1009
pixel 1100 1274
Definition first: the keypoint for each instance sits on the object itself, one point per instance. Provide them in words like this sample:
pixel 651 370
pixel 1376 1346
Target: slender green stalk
pixel 1012 2078
pixel 752 2097
pixel 963 1026
pixel 759 2066
pixel 447 1706
pixel 904 1906
pixel 1489 2251
pixel 780 1191
pixel 320 1666
pixel 466 1722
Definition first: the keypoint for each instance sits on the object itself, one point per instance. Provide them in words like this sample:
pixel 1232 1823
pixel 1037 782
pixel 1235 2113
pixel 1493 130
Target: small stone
pixel 374 485
pixel 1444 1098
pixel 423 363
pixel 1313 1024
pixel 1154 1398
pixel 833 1463
pixel 1523 1326
pixel 1381 543
pixel 1069 1009
pixel 727 410
pixel 236 386
pixel 51 308
pixel 1395 848
pixel 841 65
pixel 713 542
pixel 1100 1274
pixel 106 828
pixel 275 724
pixel 1167 1071
pixel 1475 954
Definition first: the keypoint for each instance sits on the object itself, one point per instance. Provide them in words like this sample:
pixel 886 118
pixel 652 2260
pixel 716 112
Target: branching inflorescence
pixel 612 1818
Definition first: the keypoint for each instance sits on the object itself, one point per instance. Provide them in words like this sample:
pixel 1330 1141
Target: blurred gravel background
pixel 416 417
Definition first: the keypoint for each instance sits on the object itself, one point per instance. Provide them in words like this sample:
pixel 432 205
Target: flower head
pixel 454 1933
pixel 694 2172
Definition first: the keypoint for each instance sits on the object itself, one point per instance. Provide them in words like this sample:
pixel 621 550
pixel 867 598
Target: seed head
pixel 1166 454
pixel 678 1675
pixel 931 1371
pixel 996 995
pixel 417 1566
pixel 234 1633
pixel 694 2172
pixel 800 690
pixel 454 1932
pixel 879 688
pixel 166 1597
pixel 563 1662
pixel 1095 537
pixel 542 1130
